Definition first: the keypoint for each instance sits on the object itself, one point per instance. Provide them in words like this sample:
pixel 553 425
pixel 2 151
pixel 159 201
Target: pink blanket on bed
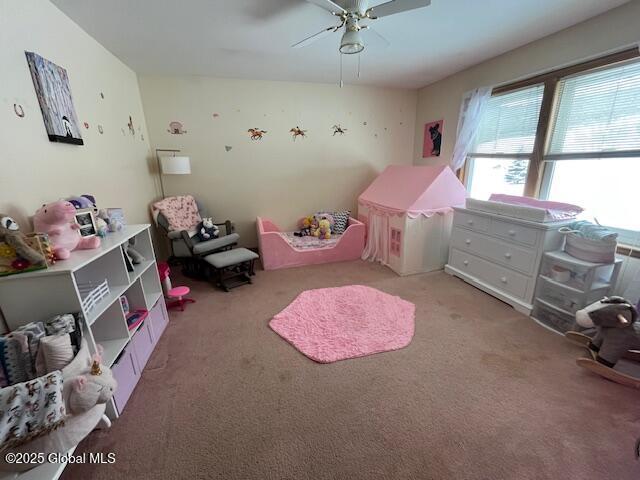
pixel 309 242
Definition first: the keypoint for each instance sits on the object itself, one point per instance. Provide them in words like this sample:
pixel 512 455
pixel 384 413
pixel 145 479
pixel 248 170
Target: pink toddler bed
pixel 283 249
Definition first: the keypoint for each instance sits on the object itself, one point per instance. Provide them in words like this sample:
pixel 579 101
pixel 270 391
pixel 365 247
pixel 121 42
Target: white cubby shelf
pixel 39 295
pixel 36 296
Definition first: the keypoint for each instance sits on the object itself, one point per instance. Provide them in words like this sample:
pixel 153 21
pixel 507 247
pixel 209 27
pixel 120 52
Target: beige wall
pixel 441 100
pixel 612 30
pixel 113 166
pixel 277 177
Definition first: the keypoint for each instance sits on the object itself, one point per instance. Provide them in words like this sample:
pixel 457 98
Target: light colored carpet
pixel 481 392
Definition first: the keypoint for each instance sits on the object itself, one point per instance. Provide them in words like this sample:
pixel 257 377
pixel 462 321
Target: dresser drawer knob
pixel 507 255
pixel 512 232
pixel 468 241
pixel 503 279
pixel 465 263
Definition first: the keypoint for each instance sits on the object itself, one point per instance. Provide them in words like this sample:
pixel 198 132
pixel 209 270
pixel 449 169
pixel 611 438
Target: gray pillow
pixel 341 221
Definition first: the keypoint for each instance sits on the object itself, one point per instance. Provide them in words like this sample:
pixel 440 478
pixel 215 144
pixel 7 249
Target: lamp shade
pixel 351 42
pixel 175 165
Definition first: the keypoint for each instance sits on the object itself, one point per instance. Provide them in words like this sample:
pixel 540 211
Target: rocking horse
pixel 617 337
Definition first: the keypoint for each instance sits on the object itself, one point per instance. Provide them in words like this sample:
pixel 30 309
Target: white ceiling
pixel 252 38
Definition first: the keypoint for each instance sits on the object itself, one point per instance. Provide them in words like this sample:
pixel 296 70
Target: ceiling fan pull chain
pixel 341 82
pixel 359 64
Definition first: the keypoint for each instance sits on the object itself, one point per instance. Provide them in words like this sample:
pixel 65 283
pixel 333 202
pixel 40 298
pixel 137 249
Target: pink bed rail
pixel 276 252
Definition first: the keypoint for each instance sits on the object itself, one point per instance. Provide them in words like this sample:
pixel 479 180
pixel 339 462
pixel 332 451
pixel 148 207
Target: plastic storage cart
pixel 567 284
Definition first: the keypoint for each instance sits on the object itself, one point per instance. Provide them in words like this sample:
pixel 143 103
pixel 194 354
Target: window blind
pixel 509 123
pixel 598 112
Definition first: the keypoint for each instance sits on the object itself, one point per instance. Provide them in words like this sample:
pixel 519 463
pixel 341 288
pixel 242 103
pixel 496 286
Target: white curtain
pixel 471 110
pixel 377 248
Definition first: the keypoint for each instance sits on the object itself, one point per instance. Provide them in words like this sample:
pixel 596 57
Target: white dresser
pixel 500 255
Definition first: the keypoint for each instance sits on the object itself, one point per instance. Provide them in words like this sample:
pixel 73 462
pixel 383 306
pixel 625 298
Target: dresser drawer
pixel 502 278
pixel 507 254
pixel 473 222
pixel 514 232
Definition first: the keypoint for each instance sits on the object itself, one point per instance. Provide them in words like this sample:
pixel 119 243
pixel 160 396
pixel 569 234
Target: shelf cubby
pixel 143 245
pixel 110 330
pixel 109 266
pixel 135 296
pixel 151 286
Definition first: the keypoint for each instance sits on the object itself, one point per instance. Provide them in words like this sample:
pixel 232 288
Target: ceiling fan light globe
pixel 351 42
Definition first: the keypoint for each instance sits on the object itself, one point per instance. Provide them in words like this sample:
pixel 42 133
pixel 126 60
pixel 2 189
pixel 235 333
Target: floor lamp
pixel 171 165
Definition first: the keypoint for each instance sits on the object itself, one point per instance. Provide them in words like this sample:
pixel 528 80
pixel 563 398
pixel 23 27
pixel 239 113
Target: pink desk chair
pixel 175 295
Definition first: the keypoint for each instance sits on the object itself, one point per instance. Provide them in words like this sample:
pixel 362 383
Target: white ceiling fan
pixel 351 13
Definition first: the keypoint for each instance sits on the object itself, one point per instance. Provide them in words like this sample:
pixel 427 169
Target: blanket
pixel 181 212
pixel 31 409
pixel 309 242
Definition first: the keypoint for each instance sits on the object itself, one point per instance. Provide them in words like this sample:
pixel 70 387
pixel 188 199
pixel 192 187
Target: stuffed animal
pixel 57 220
pixel 323 230
pixel 83 201
pixel 305 227
pixel 102 228
pixel 10 234
pixel 616 328
pixel 135 256
pixel 207 230
pixel 93 387
pixel 325 216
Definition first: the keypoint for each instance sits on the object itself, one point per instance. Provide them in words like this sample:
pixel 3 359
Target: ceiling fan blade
pixel 314 38
pixel 379 40
pixel 328 5
pixel 396 6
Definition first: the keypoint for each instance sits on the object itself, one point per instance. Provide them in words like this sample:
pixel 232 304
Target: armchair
pixel 187 248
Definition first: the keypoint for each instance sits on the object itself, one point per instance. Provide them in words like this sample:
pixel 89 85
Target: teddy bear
pixel 10 234
pixel 307 223
pixel 324 229
pixel 57 220
pixel 207 230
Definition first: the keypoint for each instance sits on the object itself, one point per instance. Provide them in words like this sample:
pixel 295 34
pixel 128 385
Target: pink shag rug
pixel 330 324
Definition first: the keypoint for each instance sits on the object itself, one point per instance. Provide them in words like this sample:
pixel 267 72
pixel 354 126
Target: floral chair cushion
pixel 181 212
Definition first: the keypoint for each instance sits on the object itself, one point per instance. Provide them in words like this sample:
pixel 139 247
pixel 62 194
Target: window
pixel 504 143
pixel 394 246
pixel 572 135
pixel 593 158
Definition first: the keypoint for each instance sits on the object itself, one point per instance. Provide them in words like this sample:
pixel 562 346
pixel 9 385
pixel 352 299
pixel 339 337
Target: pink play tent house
pixel 408 212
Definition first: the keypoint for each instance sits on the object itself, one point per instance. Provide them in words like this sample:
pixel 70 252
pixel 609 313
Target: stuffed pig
pixel 57 220
pixel 616 328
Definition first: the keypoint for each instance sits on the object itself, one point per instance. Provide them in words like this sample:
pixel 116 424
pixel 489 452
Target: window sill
pixel 628 250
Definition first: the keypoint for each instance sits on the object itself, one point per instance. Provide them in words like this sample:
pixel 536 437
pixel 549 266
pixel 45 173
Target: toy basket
pixel 596 251
pixel 10 263
pixel 92 294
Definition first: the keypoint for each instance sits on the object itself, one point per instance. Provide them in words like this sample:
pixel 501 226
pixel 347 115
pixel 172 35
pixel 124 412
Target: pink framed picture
pixel 432 139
